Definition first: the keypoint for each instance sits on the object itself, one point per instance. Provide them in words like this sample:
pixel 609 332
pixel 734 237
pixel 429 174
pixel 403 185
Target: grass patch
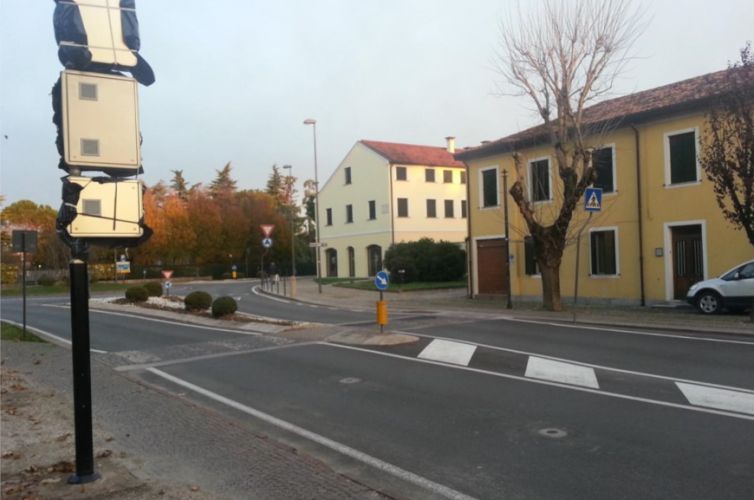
pixel 16 333
pixel 58 289
pixel 403 287
pixel 331 281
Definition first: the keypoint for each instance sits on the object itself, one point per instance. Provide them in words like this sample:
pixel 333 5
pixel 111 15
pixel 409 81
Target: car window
pixel 730 275
pixel 747 271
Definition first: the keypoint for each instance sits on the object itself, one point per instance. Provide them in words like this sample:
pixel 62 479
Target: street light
pixel 509 300
pixel 313 123
pixel 289 168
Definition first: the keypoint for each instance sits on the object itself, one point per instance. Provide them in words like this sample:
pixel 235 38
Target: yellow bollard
pixel 381 313
pixel 234 274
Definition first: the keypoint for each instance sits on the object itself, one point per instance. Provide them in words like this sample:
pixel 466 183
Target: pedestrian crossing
pixel 565 373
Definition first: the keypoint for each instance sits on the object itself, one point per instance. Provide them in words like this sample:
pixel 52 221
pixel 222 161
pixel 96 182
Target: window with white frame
pixel 603 250
pixel 489 187
pixel 603 161
pixel 681 164
pixel 539 180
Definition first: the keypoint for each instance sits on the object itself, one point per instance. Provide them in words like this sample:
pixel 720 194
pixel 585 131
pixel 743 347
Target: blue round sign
pixel 382 280
pixel 267 242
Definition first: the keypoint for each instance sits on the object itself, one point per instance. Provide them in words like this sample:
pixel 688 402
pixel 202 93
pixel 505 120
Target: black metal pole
pixel 509 303
pixel 23 283
pixel 82 380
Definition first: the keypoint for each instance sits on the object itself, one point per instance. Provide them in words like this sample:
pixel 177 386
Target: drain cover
pixel 552 433
pixel 350 380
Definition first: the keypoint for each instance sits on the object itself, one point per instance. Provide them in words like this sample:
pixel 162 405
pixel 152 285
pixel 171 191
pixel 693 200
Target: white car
pixel 734 291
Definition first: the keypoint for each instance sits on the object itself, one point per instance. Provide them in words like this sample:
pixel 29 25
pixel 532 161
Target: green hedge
pixel 425 260
pixel 154 288
pixel 136 294
pixel 222 306
pixel 198 301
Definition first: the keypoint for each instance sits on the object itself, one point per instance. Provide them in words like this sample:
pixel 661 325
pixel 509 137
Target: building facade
pixel 384 193
pixel 660 228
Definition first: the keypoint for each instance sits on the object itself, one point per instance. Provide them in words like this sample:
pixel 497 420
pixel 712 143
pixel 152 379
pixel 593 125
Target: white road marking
pixel 433 487
pixel 581 326
pixel 591 365
pixel 456 353
pixel 156 320
pixel 589 390
pixel 558 371
pixel 54 338
pixel 723 399
pixel 255 291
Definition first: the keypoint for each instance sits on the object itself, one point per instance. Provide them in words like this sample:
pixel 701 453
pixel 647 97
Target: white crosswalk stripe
pixel 445 351
pixel 558 371
pixel 713 397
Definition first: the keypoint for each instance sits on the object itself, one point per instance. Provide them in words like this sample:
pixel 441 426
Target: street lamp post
pixel 313 123
pixel 509 301
pixel 289 168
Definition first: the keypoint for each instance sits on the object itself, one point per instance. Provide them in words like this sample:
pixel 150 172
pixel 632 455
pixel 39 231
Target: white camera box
pixel 110 209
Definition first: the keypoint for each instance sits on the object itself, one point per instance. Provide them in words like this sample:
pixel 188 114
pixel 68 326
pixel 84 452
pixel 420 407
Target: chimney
pixel 451 141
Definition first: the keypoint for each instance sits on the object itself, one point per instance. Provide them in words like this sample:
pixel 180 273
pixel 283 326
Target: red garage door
pixel 492 272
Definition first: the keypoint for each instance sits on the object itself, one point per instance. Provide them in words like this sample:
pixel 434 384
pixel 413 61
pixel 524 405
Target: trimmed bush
pixel 136 294
pixel 153 288
pixel 198 301
pixel 46 280
pixel 425 260
pixel 222 306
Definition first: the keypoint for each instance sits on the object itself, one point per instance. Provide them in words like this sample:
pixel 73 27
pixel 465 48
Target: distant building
pixel 384 193
pixel 660 228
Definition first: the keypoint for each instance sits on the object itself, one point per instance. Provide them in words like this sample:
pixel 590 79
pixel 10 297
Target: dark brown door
pixel 492 270
pixel 332 262
pixel 688 258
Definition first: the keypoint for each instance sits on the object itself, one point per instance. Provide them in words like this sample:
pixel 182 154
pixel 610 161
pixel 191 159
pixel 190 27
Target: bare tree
pixel 563 57
pixel 727 155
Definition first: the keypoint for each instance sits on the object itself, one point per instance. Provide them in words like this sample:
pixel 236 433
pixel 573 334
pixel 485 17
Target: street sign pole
pixel 82 380
pixel 592 203
pixel 23 284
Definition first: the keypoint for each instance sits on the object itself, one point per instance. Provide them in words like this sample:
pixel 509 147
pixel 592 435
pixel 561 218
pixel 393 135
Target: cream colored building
pixel 384 193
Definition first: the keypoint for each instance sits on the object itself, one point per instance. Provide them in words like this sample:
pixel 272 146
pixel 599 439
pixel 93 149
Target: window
pixel 447 176
pixel 603 252
pixel 531 268
pixel 602 159
pixel 489 187
pixel 539 180
pixel 429 174
pixel 372 210
pixel 463 209
pixel 349 214
pixel 348 175
pixel 400 173
pixel 329 216
pixel 681 150
pixel 449 209
pixel 402 207
pixel 463 177
pixel 431 208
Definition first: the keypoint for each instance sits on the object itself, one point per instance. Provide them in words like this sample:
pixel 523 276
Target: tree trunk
pixel 551 287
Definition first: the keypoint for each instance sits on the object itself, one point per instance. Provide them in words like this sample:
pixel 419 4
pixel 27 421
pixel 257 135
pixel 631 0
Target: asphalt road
pixel 499 409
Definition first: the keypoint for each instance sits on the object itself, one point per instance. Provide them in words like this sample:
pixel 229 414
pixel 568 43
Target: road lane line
pixel 255 291
pixel 457 353
pixel 723 399
pixel 362 457
pixel 632 332
pixel 580 363
pixel 169 322
pixel 557 371
pixel 54 338
pixel 548 383
pixel 169 362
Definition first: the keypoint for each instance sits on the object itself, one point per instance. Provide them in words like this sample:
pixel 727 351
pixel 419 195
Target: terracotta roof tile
pixel 621 111
pixel 412 154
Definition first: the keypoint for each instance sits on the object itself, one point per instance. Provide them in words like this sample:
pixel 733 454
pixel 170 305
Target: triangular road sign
pixel 593 200
pixel 267 229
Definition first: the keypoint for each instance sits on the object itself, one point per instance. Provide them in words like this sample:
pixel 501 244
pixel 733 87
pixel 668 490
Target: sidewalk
pixel 147 443
pixel 455 302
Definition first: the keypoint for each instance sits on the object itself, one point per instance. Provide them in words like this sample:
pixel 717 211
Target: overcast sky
pixel 236 78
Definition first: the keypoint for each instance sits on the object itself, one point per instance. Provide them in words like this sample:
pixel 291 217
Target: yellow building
pixel 384 193
pixel 660 228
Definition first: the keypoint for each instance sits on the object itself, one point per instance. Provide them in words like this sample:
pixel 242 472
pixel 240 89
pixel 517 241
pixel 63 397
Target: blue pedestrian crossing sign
pixel 593 199
pixel 381 280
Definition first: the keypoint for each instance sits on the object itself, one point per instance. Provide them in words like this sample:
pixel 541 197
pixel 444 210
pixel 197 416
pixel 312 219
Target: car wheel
pixel 709 302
